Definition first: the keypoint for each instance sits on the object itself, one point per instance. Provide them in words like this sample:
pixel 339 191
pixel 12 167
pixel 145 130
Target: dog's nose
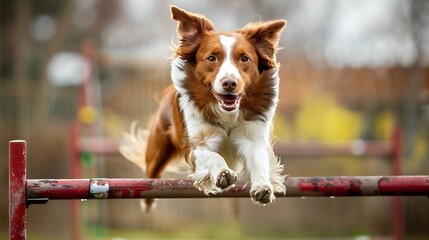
pixel 229 84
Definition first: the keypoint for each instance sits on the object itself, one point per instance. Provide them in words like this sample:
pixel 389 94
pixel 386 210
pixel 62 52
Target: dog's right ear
pixel 191 27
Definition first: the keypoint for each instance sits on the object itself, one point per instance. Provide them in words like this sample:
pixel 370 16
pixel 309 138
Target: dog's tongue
pixel 229 102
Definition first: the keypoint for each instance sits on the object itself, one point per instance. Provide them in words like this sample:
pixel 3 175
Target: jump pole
pixel 17 190
pixel 104 188
pixel 24 192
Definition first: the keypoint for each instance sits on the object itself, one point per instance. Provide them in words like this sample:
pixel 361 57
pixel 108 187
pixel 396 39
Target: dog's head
pixel 226 63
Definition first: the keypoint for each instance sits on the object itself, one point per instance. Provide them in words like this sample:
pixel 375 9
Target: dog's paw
pixel 226 179
pixel 262 194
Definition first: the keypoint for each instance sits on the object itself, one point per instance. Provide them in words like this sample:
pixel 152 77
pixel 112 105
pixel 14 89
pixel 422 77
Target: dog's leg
pixel 161 147
pixel 212 174
pixel 276 169
pixel 252 142
pixel 257 165
pixel 160 151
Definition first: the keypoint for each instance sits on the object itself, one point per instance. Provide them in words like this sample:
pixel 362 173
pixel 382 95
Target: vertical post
pixel 76 172
pixel 17 190
pixel 397 211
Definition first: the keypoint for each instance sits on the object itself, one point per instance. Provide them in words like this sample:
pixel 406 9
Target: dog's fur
pixel 218 112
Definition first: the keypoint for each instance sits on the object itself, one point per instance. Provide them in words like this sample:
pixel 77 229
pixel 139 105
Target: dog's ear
pixel 265 36
pixel 191 27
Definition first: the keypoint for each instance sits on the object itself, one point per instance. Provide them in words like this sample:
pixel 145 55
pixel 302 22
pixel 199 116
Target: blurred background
pixel 74 74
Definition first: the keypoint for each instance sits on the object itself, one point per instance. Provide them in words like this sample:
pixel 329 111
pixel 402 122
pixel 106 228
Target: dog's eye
pixel 244 58
pixel 211 58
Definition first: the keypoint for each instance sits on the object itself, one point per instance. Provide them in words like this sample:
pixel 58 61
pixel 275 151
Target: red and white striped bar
pixel 105 188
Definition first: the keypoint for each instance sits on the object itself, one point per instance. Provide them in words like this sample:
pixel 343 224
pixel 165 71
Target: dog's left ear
pixel 266 37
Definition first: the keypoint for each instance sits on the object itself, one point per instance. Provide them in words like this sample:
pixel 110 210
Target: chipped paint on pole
pixel 99 189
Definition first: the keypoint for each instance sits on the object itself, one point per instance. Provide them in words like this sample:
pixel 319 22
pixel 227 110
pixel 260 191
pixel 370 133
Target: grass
pixel 208 231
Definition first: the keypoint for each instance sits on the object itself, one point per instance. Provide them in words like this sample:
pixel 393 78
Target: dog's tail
pixel 133 148
pixel 134 145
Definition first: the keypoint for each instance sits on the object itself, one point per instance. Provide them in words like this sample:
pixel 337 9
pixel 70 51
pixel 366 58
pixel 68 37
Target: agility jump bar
pixel 23 191
pixel 105 188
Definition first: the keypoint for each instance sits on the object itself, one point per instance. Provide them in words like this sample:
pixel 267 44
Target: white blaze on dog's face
pixel 226 62
pixel 227 78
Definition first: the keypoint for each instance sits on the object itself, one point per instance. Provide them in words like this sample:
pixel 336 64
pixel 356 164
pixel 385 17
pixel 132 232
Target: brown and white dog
pixel 218 112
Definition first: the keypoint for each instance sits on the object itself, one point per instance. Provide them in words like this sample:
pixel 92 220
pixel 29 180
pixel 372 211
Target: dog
pixel 218 111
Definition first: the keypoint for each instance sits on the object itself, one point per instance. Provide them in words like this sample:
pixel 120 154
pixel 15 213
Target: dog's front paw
pixel 226 179
pixel 212 183
pixel 262 194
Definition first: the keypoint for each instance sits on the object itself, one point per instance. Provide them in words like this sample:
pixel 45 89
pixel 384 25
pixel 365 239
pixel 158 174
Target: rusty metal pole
pixel 17 190
pixel 114 188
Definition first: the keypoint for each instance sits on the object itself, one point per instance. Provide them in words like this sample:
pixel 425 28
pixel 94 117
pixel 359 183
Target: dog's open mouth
pixel 228 102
